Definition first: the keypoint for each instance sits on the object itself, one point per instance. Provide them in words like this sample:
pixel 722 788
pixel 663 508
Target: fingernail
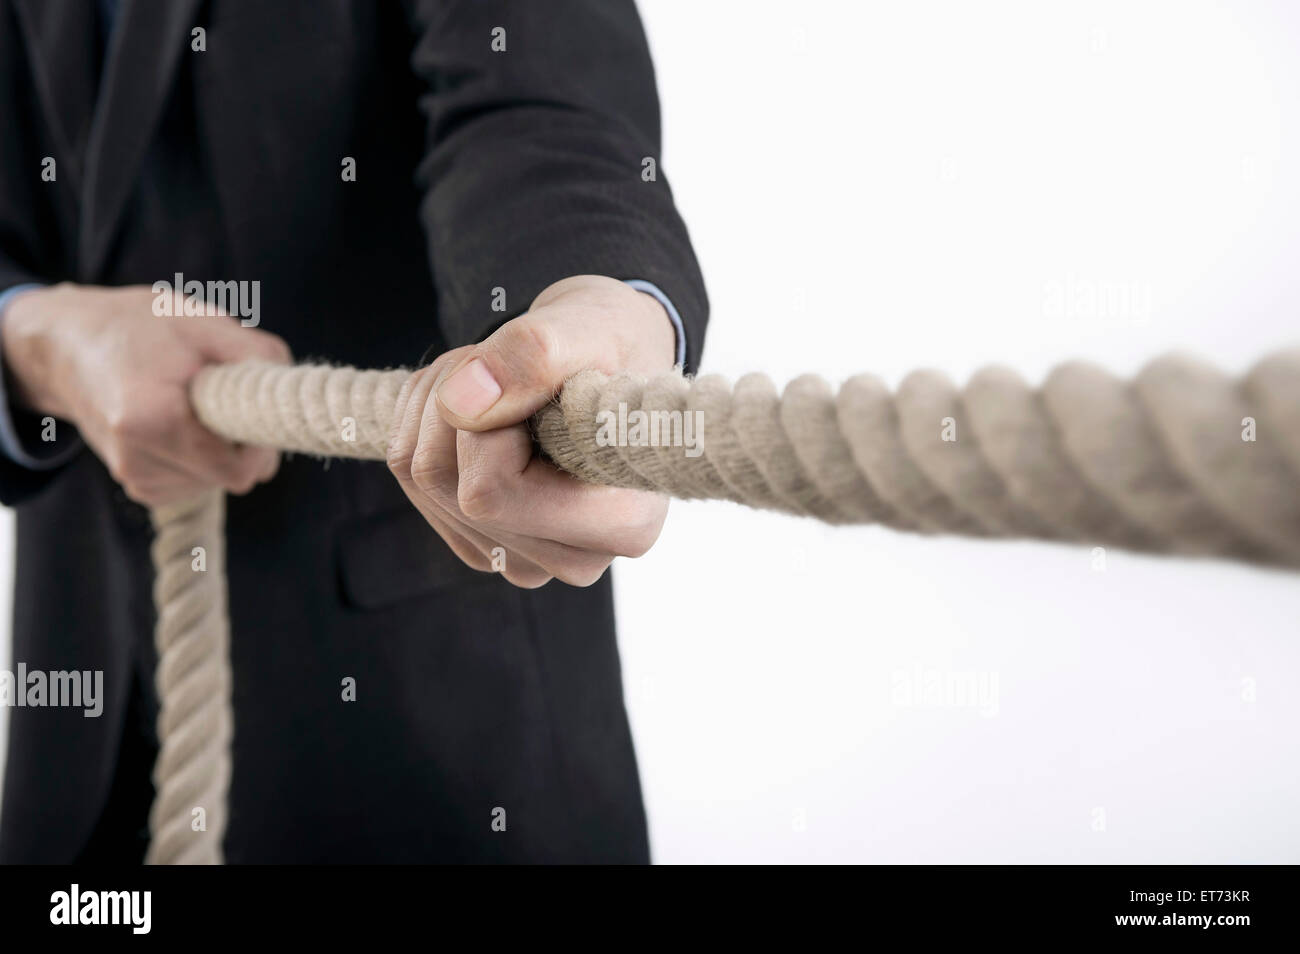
pixel 470 391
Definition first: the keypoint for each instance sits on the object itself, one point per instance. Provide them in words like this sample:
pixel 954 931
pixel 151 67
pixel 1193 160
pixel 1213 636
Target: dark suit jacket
pixel 475 169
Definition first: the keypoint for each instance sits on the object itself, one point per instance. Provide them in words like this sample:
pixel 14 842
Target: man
pixel 473 184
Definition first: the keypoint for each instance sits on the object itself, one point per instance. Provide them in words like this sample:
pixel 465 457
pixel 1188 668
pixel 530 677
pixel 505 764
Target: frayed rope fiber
pixel 1182 459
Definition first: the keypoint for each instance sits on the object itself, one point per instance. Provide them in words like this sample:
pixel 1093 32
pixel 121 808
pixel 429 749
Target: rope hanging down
pixel 1182 460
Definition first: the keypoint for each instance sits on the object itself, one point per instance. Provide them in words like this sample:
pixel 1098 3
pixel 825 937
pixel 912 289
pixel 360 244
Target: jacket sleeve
pixel 29 249
pixel 542 159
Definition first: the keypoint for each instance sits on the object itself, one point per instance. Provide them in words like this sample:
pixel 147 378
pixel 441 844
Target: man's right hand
pixel 101 358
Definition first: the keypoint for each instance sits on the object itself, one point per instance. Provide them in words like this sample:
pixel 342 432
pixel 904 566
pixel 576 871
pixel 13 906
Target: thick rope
pixel 1182 460
pixel 314 409
pixel 195 721
pixel 309 408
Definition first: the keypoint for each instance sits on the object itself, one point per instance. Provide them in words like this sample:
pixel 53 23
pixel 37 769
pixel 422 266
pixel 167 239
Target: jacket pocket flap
pixel 392 556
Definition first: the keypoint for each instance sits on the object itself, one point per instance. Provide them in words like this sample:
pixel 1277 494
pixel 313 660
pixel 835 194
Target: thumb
pixel 518 369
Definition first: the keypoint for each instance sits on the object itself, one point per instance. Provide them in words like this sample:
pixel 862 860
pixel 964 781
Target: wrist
pixel 661 334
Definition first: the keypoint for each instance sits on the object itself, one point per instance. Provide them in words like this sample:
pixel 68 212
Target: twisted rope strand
pixel 195 720
pixel 1158 464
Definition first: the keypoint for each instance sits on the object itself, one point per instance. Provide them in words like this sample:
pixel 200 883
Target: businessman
pixel 424 658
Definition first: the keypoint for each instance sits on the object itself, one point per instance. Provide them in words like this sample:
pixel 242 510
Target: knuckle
pixel 533 351
pixel 399 459
pixel 277 349
pixel 112 461
pixel 269 467
pixel 634 548
pixel 640 534
pixel 474 560
pixel 129 471
pixel 121 426
pixel 137 420
pixel 527 579
pixel 138 492
pixel 242 485
pixel 172 412
pixel 245 471
pixel 479 496
pixel 227 471
pixel 255 466
pixel 431 471
pixel 583 573
pixel 637 541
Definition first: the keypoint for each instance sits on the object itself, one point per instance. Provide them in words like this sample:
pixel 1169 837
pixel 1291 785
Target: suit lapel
pixel 147 43
pixel 62 44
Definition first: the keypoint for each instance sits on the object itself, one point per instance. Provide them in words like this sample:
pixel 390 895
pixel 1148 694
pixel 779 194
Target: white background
pixel 883 186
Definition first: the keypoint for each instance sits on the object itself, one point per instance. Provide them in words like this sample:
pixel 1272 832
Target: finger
pixel 408 412
pixel 482 552
pixel 264 463
pixel 469 553
pixel 214 461
pixel 473 548
pixel 503 486
pixel 522 366
pixel 568 564
pixel 222 340
pixel 407 418
pixel 434 473
pixel 510 563
pixel 271 469
pixel 153 481
pixel 476 549
pixel 399 406
pixel 527 554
